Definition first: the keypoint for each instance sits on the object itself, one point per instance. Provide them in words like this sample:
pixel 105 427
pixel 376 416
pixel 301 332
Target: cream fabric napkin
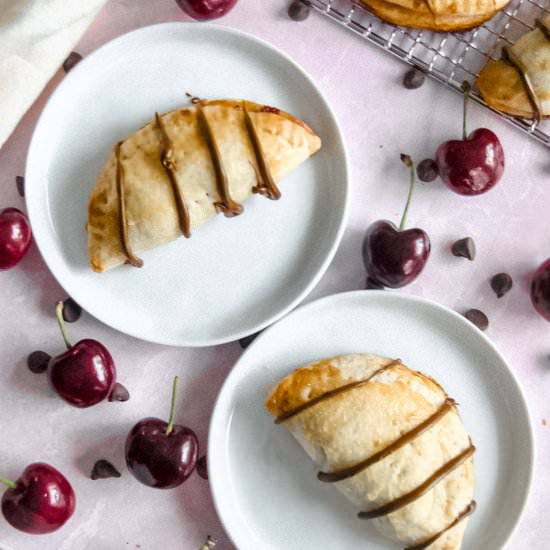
pixel 35 38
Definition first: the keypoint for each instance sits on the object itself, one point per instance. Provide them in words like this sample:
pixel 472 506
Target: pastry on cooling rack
pixel 390 439
pixel 437 15
pixel 519 82
pixel 183 168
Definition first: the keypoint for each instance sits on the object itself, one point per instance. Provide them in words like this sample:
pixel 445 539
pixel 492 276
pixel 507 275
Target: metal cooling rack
pixel 449 58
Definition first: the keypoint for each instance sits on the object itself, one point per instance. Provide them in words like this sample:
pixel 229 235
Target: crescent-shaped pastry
pixel 183 168
pixel 519 83
pixel 390 439
pixel 437 15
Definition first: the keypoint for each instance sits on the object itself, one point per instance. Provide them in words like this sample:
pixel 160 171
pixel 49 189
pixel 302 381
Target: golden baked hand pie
pixel 183 168
pixel 519 83
pixel 390 439
pixel 437 15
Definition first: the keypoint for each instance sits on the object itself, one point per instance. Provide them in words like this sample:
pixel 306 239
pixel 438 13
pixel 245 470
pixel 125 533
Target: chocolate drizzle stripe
pixel 513 60
pixel 266 185
pixel 544 28
pixel 226 205
pixel 169 166
pixel 131 258
pixel 333 393
pixel 407 498
pixel 469 510
pixel 339 475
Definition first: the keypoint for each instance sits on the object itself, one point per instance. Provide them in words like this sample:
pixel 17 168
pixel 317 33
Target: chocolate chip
pixel 478 318
pixel 72 59
pixel 427 170
pixel 298 10
pixel 501 283
pixel 413 79
pixel 247 340
pixel 464 248
pixel 373 284
pixel 71 311
pixel 20 184
pixel 38 361
pixel 103 469
pixel 202 467
pixel 119 393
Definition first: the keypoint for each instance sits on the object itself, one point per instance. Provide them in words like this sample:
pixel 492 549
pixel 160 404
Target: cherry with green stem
pixel 474 164
pixel 395 256
pixel 85 373
pixel 162 454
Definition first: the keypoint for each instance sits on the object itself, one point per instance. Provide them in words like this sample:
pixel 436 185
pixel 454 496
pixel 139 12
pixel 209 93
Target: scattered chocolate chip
pixel 247 340
pixel 71 311
pixel 464 248
pixel 501 283
pixel 119 393
pixel 373 284
pixel 298 10
pixel 544 423
pixel 478 318
pixel 413 79
pixel 209 543
pixel 20 184
pixel 103 469
pixel 72 59
pixel 38 361
pixel 202 467
pixel 427 170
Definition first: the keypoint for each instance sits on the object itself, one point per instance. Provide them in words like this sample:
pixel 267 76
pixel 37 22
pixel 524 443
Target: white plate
pixel 234 276
pixel 264 485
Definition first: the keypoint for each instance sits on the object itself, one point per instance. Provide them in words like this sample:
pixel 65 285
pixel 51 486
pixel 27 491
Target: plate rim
pixel 219 423
pixel 34 204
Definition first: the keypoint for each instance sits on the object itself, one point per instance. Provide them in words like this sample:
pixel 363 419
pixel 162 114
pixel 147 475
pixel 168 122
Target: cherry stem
pixel 8 483
pixel 172 418
pixel 466 89
pixel 408 161
pixel 61 323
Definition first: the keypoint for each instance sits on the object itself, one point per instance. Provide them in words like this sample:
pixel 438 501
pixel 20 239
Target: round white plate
pixel 265 486
pixel 234 276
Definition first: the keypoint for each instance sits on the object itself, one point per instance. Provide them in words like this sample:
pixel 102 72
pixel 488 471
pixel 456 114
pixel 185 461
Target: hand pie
pixel 390 439
pixel 183 168
pixel 437 15
pixel 519 83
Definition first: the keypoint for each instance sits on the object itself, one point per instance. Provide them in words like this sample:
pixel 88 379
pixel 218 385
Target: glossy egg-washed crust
pixel 347 428
pixel 501 85
pixel 443 15
pixel 151 212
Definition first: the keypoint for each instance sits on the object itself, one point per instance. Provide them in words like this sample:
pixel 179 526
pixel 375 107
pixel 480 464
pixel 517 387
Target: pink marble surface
pixel 379 119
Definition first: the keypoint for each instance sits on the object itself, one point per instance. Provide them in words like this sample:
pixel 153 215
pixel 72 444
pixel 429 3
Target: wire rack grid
pixel 450 58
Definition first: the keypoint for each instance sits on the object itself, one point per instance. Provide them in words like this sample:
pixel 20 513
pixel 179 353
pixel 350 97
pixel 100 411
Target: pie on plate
pixel 186 166
pixel 390 439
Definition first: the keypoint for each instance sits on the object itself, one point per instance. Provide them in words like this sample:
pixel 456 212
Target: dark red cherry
pixel 204 10
pixel 15 237
pixel 540 289
pixel 474 164
pixel 40 501
pixel 162 454
pixel 84 374
pixel 393 256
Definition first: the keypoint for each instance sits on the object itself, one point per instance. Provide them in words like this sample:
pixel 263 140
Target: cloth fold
pixel 36 37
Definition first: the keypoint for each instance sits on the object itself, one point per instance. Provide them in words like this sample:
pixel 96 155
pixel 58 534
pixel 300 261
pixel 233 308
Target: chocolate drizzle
pixel 226 204
pixel 424 487
pixel 514 61
pixel 131 258
pixel 470 509
pixel 266 185
pixel 339 475
pixel 544 28
pixel 169 165
pixel 332 393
